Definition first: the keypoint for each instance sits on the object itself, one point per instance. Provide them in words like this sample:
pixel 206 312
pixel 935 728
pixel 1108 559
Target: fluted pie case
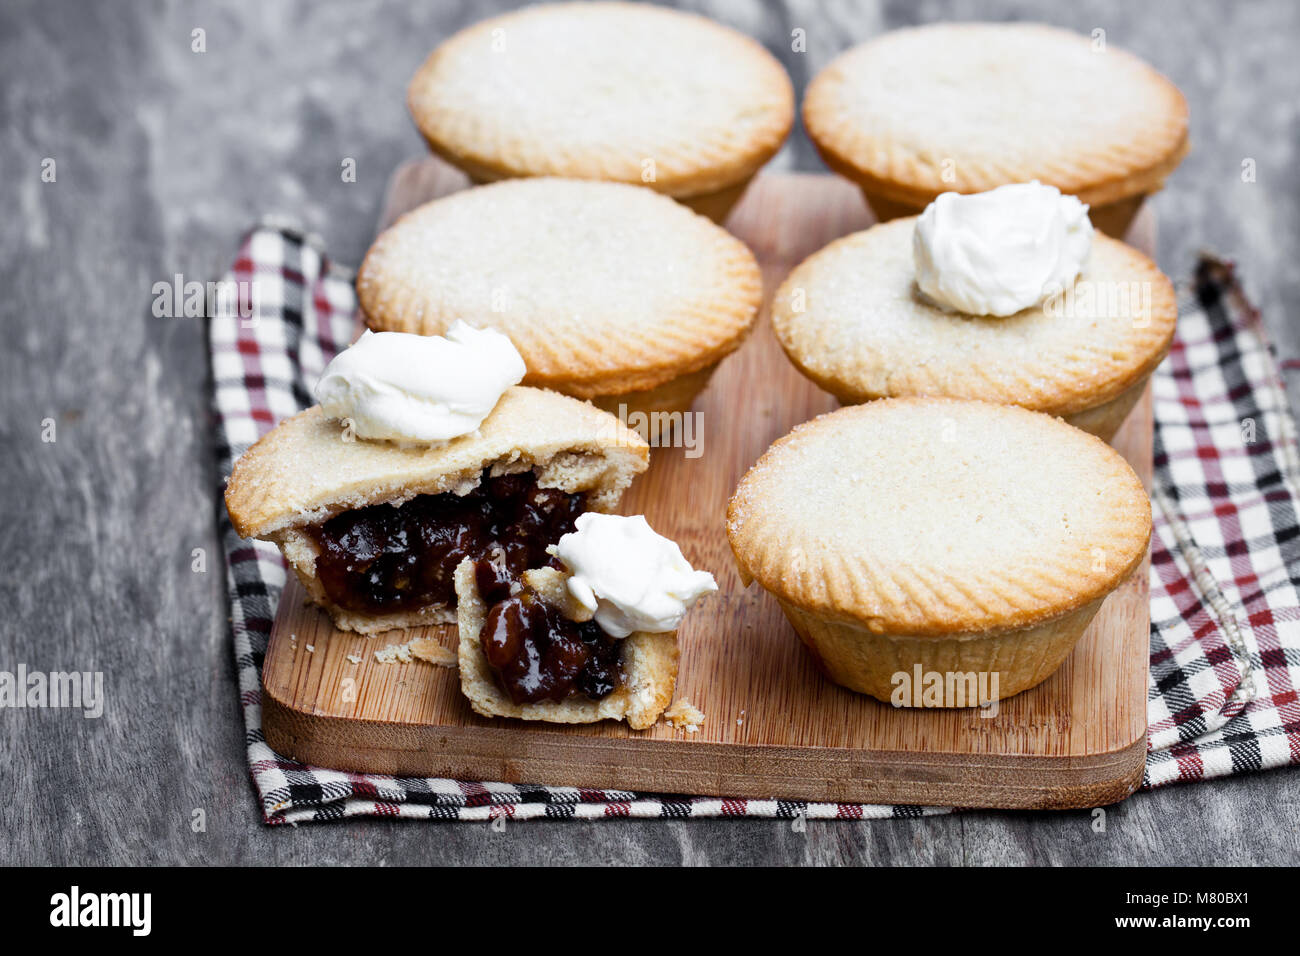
pixel 954 536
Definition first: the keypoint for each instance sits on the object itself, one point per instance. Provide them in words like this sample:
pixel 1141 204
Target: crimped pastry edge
pixel 1112 218
pixel 1103 197
pixel 595 367
pixel 1120 181
pixel 712 172
pixel 1076 398
pixel 575 446
pixel 767 562
pixel 715 205
pixel 1104 420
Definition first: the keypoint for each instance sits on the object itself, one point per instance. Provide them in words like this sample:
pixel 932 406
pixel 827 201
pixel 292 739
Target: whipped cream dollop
pixel 420 388
pixel 1001 251
pixel 630 577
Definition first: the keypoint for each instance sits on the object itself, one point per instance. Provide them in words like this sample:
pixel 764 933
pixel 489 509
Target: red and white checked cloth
pixel 1225 571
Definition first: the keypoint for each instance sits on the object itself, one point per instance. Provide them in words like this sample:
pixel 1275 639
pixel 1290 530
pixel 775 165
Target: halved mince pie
pixel 375 530
pixel 529 649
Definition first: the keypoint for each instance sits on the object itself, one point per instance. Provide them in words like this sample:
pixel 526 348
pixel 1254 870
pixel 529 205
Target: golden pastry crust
pixel 858 658
pixel 929 518
pixel 971 106
pixel 303 472
pixel 593 91
pixel 605 289
pixel 850 318
pixel 649 667
pixel 677 395
pixel 683 715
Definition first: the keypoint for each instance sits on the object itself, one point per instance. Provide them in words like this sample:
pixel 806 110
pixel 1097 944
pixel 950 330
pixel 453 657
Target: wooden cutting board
pixel 774 728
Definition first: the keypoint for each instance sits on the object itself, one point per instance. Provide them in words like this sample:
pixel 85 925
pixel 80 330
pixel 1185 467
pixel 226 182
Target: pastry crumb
pixel 421 648
pixel 394 653
pixel 431 652
pixel 311 648
pixel 683 715
pixel 354 659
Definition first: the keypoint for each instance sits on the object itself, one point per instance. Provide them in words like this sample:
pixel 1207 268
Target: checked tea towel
pixel 1225 570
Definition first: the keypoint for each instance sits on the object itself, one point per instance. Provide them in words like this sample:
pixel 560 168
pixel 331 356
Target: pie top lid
pixel 939 517
pixel 972 106
pixel 604 288
pixel 305 470
pixel 596 90
pixel 850 318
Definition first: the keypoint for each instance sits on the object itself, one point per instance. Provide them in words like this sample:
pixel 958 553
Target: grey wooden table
pixel 163 155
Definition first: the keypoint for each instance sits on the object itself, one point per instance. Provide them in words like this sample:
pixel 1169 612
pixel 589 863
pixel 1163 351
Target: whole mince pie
pixel 1018 524
pixel 375 530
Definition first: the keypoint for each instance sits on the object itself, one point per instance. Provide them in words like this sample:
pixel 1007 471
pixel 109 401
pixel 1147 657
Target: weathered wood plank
pixel 165 156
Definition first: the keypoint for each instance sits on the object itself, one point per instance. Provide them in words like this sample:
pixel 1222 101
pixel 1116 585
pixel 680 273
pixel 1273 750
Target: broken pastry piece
pixel 374 528
pixel 590 636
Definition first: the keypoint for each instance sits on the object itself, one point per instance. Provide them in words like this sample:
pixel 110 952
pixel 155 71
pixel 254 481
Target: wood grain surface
pixel 165 157
pixel 775 726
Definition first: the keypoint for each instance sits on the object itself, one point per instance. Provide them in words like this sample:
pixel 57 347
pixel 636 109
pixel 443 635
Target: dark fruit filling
pixel 538 653
pixel 381 559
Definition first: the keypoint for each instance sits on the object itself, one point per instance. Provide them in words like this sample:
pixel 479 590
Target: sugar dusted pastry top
pixel 851 319
pixel 938 517
pixel 994 104
pixel 603 287
pixel 303 472
pixel 594 90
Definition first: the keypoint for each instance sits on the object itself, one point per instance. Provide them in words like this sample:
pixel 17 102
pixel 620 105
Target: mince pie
pixel 375 530
pixel 938 536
